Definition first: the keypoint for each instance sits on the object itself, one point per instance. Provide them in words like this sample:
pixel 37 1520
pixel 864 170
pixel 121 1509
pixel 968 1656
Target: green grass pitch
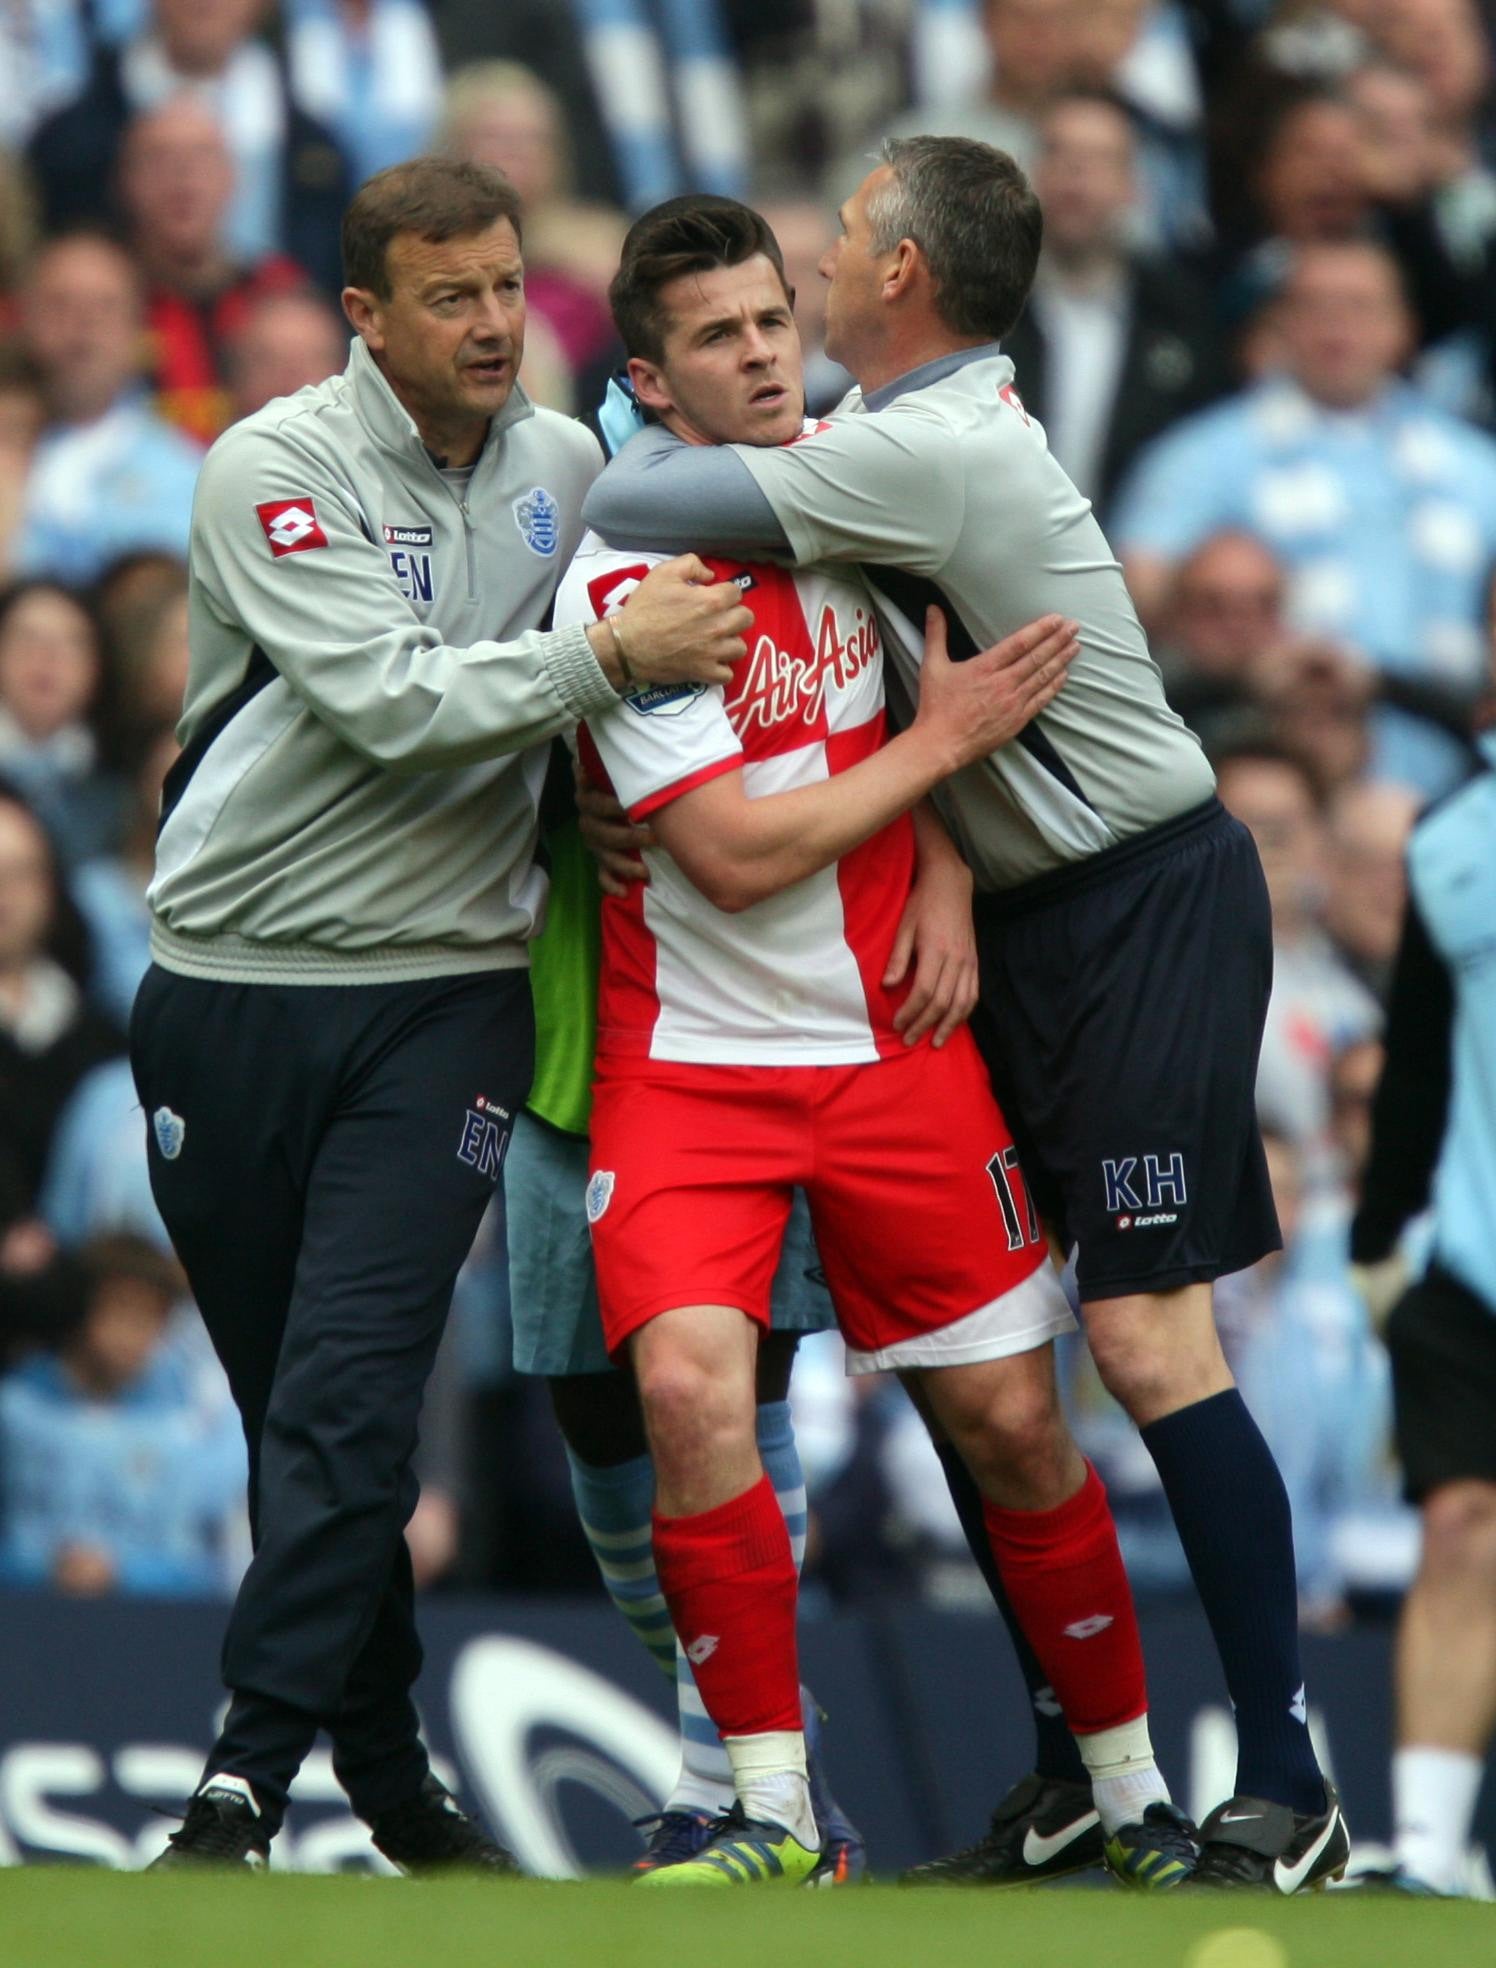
pixel 72 1918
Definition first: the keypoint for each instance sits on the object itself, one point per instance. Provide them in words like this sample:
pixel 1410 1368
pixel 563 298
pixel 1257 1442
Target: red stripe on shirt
pixel 874 881
pixel 652 802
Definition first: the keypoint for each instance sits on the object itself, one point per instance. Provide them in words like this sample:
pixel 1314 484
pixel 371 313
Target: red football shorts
pixel 931 1248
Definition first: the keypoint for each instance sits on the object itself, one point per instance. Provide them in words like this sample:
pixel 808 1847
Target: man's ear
pixel 649 384
pixel 903 270
pixel 365 312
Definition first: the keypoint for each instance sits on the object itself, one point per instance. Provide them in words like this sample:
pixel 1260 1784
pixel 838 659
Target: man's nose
pixel 826 264
pixel 496 318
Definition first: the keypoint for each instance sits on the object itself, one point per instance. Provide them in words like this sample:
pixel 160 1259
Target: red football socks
pixel 1063 1573
pixel 728 1576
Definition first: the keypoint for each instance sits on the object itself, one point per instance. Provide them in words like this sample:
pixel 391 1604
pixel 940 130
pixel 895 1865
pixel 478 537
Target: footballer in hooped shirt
pixel 750 1041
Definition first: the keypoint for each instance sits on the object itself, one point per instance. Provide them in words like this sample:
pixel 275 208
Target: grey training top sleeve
pixel 661 496
pixel 339 632
pixel 885 489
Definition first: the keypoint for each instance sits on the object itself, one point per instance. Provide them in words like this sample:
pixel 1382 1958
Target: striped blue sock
pixel 615 1506
pixel 781 1460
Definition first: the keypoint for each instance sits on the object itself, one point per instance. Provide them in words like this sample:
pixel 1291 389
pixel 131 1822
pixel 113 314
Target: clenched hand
pixel 680 625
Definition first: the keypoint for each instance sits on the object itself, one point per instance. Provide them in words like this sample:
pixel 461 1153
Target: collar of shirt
pixel 391 423
pixel 927 373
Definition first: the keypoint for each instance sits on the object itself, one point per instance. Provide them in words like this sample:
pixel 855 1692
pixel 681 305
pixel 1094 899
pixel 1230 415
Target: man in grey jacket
pixel 1122 926
pixel 336 1029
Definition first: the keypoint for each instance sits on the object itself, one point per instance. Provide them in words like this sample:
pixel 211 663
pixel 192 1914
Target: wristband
pixel 623 661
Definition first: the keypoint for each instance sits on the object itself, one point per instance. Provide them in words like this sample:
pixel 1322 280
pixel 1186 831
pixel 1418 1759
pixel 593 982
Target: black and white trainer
pixel 1249 1843
pixel 223 1827
pixel 1045 1828
pixel 433 1834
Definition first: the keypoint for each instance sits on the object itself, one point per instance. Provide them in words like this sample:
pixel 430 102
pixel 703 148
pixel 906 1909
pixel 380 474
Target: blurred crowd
pixel 1262 341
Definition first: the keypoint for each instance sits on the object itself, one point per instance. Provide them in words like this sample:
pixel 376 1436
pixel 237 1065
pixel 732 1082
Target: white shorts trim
pixel 1029 1315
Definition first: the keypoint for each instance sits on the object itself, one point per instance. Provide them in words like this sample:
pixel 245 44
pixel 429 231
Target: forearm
pixel 661 496
pixel 410 704
pixel 936 854
pixel 740 851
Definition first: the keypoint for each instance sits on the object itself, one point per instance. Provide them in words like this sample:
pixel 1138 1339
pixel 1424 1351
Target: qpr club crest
pixel 171 1132
pixel 599 1193
pixel 538 518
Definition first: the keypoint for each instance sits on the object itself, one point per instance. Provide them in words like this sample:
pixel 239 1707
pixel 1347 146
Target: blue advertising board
pixel 550 1718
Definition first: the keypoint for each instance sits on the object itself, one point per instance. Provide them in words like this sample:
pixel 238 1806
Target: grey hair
pixel 973 214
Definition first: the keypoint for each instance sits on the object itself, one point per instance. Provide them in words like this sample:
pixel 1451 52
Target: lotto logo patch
pixel 1087 1629
pixel 608 592
pixel 291 526
pixel 702 1649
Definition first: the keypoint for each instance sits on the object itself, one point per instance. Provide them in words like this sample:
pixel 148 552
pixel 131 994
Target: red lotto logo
pixel 610 591
pixel 291 526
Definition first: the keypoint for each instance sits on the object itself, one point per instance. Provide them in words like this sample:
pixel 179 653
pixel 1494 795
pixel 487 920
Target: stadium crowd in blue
pixel 1261 341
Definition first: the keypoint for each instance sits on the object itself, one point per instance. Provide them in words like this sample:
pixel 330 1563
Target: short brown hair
pixel 436 198
pixel 684 235
pixel 973 215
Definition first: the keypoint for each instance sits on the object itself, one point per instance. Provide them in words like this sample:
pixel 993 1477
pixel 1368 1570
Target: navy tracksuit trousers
pixel 322 1156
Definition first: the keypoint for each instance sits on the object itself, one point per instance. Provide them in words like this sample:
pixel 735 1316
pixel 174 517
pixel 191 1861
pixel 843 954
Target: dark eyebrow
pixel 709 327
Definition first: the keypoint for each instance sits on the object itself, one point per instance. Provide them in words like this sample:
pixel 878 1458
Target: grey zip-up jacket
pixel 369 693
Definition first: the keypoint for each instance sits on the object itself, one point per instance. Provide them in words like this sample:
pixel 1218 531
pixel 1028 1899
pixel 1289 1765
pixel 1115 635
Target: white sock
pixel 1125 1780
pixel 705 1781
pixel 1433 1804
pixel 769 1771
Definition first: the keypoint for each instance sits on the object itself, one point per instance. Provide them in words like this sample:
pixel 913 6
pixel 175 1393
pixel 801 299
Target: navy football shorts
pixel 1121 1018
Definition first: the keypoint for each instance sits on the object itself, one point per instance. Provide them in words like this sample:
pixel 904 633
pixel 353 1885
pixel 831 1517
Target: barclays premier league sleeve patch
pixel 291 525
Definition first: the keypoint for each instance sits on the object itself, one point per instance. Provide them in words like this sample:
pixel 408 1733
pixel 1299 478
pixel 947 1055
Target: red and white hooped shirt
pixel 796 979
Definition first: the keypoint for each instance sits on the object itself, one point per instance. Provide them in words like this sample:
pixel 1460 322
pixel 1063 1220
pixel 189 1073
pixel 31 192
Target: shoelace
pixel 1231 1865
pixel 211 1831
pixel 673 1836
pixel 732 1820
pixel 1173 1837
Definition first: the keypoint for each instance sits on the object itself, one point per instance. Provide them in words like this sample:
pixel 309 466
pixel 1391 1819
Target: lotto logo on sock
pixel 1087 1629
pixel 1298 1708
pixel 701 1649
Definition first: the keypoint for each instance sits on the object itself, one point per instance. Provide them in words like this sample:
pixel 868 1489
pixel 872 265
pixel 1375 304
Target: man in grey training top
pixel 1122 916
pixel 336 1030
